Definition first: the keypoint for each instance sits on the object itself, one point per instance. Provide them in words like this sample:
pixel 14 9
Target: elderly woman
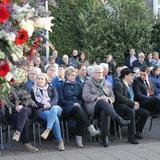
pixel 70 98
pixel 46 99
pixel 98 97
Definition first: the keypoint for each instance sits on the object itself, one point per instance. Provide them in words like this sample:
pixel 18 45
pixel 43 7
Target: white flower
pixel 11 36
pixel 8 36
pixel 44 23
pixel 2 55
pixel 22 12
pixel 28 26
pixel 9 76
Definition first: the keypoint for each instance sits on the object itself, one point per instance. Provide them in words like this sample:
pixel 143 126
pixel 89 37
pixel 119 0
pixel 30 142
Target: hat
pixel 125 71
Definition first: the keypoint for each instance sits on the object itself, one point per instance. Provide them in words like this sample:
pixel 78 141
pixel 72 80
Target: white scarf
pixel 41 94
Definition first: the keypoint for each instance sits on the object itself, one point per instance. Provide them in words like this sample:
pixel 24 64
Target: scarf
pixel 41 94
pixel 100 85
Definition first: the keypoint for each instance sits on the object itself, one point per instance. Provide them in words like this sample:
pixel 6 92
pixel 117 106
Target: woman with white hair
pixel 108 78
pixel 46 99
pixel 98 97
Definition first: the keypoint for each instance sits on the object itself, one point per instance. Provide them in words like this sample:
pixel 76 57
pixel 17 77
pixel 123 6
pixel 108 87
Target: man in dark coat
pixel 126 106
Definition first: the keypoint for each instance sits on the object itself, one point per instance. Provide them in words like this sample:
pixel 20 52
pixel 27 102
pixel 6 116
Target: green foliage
pixel 101 30
pixel 155 37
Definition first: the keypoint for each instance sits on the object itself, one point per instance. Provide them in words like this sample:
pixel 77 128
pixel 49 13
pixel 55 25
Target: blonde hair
pixel 43 75
pixel 70 70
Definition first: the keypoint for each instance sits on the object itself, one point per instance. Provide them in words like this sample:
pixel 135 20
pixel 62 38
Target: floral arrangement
pixel 18 23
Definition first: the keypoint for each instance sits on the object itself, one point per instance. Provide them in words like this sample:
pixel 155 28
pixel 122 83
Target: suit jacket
pixel 121 94
pixel 140 90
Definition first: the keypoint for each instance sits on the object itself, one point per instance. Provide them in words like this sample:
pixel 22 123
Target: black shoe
pixel 138 135
pixel 122 122
pixel 133 140
pixel 104 140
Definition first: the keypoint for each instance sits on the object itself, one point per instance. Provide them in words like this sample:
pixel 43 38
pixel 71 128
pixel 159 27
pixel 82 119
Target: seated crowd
pixel 72 89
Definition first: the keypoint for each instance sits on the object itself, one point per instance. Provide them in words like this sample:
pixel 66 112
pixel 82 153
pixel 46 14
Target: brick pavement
pixel 148 149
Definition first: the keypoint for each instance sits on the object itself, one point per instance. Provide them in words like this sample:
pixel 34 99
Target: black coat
pixel 140 90
pixel 121 94
pixel 69 93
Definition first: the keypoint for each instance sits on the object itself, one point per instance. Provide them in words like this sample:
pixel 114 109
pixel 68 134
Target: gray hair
pixel 89 70
pixel 96 68
pixel 104 65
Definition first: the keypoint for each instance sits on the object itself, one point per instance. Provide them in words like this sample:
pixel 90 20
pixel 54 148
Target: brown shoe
pixel 30 148
pixel 45 134
pixel 61 146
pixel 16 136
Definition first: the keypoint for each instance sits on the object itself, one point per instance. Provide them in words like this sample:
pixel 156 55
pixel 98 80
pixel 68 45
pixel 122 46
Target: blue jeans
pixel 52 118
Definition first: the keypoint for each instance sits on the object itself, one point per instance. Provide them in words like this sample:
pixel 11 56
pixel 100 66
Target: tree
pixel 102 29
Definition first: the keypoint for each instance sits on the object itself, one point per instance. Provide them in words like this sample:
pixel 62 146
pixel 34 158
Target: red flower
pixel 22 37
pixel 4 1
pixel 4 14
pixel 36 43
pixel 4 68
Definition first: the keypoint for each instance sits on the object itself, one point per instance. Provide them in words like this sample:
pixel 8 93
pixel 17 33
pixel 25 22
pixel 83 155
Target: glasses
pixel 98 72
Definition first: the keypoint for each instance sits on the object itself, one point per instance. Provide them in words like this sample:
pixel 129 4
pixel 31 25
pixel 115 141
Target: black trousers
pixel 138 118
pixel 78 114
pixel 152 104
pixel 103 111
pixel 22 122
pixel 141 118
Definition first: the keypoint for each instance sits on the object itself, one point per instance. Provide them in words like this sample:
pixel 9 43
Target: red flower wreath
pixel 22 37
pixel 4 68
pixel 4 14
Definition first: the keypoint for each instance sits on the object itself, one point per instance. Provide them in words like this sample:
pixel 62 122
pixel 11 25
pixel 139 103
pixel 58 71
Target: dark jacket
pixel 121 94
pixel 69 93
pixel 138 64
pixel 140 90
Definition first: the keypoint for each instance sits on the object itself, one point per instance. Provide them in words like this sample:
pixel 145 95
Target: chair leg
pixel 1 137
pixel 115 129
pixel 120 132
pixel 9 134
pixel 34 134
pixel 67 132
pixel 62 130
pixel 39 133
pixel 150 127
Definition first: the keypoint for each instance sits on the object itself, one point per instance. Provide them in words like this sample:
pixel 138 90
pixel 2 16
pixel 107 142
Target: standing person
pixel 126 106
pixel 111 64
pixel 130 58
pixel 98 97
pixel 140 62
pixel 70 98
pixel 46 99
pixel 73 60
pixel 83 58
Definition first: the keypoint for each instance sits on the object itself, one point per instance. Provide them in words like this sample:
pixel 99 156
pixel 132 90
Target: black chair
pixel 153 116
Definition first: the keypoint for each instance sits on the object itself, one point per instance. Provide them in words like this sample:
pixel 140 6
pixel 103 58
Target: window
pixel 156 7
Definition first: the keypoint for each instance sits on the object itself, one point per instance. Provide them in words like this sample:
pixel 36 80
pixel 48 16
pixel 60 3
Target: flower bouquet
pixel 18 23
